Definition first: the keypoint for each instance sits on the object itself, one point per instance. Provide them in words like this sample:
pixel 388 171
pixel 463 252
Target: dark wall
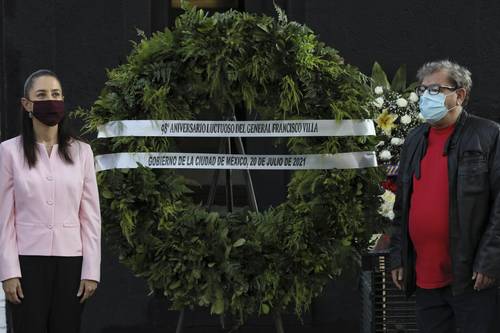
pixel 77 39
pixel 397 32
pixel 400 32
pixel 80 39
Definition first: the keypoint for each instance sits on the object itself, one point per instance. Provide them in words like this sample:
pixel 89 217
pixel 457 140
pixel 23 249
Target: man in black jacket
pixel 445 243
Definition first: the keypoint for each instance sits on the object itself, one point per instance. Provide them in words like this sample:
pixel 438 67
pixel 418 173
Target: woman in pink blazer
pixel 50 227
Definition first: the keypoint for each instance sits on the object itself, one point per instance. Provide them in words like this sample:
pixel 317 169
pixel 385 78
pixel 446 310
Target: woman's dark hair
pixel 64 136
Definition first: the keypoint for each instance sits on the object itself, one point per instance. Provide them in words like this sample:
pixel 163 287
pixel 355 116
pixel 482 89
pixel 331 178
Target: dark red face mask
pixel 49 112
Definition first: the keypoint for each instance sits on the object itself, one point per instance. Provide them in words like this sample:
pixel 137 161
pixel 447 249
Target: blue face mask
pixel 432 107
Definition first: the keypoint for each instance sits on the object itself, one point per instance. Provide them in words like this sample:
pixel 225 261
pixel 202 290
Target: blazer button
pixel 50 226
pixel 50 202
pixel 49 178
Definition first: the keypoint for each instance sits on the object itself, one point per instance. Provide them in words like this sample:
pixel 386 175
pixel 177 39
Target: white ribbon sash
pixel 272 128
pixel 354 160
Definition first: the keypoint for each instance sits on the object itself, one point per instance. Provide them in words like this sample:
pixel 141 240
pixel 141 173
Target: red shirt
pixel 429 220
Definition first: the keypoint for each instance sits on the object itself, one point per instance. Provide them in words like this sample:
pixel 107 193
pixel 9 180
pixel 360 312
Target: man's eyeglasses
pixel 433 89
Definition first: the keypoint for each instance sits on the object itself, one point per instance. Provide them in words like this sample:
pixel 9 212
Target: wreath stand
pixel 226 147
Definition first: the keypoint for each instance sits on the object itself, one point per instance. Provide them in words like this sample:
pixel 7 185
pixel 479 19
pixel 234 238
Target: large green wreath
pixel 246 262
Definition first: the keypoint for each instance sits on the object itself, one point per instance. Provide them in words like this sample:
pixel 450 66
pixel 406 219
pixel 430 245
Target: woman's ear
pixel 27 105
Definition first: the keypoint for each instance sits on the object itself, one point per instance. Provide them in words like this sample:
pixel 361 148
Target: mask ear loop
pixel 458 104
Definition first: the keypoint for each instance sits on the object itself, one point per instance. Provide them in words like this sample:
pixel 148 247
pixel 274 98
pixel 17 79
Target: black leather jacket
pixel 473 152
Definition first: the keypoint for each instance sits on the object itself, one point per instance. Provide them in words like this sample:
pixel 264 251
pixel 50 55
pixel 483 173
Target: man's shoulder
pixel 482 129
pixel 483 123
pixel 417 132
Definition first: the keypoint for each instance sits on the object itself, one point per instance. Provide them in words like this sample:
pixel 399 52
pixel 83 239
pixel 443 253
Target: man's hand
pixel 482 281
pixel 87 289
pixel 397 277
pixel 13 290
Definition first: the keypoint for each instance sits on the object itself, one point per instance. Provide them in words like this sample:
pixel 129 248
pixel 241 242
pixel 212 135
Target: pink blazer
pixel 51 209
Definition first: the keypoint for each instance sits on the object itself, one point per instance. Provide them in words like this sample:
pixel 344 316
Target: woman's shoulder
pixel 14 142
pixel 11 145
pixel 81 146
pixel 11 150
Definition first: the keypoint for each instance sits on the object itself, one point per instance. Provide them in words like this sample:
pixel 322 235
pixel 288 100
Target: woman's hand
pixel 13 290
pixel 87 289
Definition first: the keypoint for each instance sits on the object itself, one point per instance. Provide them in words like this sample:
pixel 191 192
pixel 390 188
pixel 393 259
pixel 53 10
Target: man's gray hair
pixel 460 75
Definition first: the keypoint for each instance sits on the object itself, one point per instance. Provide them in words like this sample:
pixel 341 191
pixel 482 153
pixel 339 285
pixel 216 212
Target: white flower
pixel 378 102
pixel 379 90
pixel 413 97
pixel 385 155
pixel 387 207
pixel 397 141
pixel 388 196
pixel 401 102
pixel 380 143
pixel 421 117
pixel 406 119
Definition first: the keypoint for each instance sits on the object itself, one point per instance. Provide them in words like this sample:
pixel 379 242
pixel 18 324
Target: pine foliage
pixel 243 263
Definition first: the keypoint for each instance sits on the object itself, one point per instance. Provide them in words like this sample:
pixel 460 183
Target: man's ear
pixel 461 96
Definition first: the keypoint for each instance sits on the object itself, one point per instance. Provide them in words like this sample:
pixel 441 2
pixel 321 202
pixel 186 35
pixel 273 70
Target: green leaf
pixel 239 242
pixel 263 27
pixel 186 5
pixel 379 77
pixel 282 18
pixel 224 232
pixel 399 81
pixel 264 308
pixel 346 242
pixel 174 285
pixel 218 305
pixel 412 87
pixel 107 194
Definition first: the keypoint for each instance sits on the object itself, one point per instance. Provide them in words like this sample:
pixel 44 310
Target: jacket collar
pixel 450 143
pixel 459 125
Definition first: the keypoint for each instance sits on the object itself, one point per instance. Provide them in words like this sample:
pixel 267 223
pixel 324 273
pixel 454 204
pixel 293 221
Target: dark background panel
pixel 3 78
pixel 78 40
pixel 401 32
pixel 81 39
pixel 21 46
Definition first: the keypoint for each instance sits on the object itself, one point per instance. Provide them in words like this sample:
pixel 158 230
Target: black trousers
pixel 438 311
pixel 50 304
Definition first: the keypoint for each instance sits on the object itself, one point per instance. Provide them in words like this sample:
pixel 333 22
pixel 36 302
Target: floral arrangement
pixel 244 263
pixel 398 113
